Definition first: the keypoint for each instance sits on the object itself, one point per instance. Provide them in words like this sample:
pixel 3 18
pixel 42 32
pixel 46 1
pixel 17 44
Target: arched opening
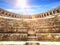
pixel 2 12
pixel 50 13
pixel 9 14
pixel 47 14
pixel 58 11
pixel 44 14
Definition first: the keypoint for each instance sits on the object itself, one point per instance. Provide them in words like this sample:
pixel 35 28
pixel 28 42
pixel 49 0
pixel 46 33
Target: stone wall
pixel 40 27
pixel 10 14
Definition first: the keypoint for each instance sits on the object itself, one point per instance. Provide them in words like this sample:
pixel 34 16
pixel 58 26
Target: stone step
pixel 13 37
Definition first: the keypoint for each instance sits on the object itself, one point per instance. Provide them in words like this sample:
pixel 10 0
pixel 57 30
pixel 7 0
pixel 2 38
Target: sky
pixel 29 7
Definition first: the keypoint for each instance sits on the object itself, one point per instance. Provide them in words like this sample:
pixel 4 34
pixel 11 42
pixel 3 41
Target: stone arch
pixel 44 14
pixel 55 11
pixel 58 10
pixel 5 13
pixel 2 12
pixel 9 14
pixel 48 13
pixel 16 16
pixel 51 12
pixel 38 16
pixel 12 15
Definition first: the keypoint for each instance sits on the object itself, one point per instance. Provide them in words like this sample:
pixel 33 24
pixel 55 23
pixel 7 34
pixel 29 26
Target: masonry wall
pixel 41 27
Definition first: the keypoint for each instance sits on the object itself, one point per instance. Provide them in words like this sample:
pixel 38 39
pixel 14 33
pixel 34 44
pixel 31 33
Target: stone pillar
pixel 52 12
pixel 43 15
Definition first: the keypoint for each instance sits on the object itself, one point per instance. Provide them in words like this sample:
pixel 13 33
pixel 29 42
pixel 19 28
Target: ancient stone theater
pixel 39 27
